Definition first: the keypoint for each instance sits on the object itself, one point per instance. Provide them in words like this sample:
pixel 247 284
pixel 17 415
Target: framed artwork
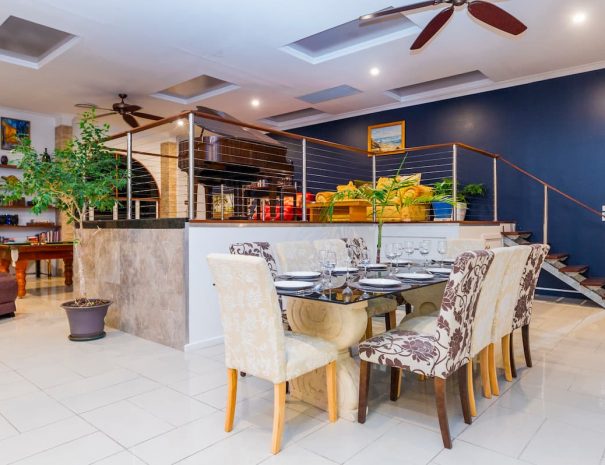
pixel 11 130
pixel 225 202
pixel 387 137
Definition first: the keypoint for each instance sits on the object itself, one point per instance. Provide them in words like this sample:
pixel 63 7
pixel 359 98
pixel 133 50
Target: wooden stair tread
pixel 557 256
pixel 594 282
pixel 574 269
pixel 517 233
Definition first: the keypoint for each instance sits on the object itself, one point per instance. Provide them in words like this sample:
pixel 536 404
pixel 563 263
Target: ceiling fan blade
pixel 147 116
pixel 130 120
pixel 401 9
pixel 91 106
pixel 496 17
pixel 131 108
pixel 106 114
pixel 432 28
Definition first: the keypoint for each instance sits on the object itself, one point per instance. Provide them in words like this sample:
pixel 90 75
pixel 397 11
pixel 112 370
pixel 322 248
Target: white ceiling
pixel 140 47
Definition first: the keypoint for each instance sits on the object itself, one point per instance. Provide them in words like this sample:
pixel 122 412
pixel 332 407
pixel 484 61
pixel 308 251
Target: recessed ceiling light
pixel 579 18
pixel 255 102
pixel 180 122
pixel 375 71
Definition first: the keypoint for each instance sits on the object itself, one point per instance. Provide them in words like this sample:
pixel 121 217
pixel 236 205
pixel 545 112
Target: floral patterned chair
pixel 297 256
pixel 523 309
pixel 256 249
pixel 255 341
pixel 440 354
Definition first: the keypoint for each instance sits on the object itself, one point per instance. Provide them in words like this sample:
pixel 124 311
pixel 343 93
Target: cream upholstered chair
pixel 256 249
pixel 338 246
pixel 356 246
pixel 523 308
pixel 456 246
pixel 255 341
pixel 297 256
pixel 503 319
pixel 440 354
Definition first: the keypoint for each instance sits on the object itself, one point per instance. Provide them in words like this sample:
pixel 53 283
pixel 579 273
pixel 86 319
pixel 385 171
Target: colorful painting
pixel 388 137
pixel 12 130
pixel 222 202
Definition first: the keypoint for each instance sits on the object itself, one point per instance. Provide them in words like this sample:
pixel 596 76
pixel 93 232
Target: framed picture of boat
pixel 11 130
pixel 387 137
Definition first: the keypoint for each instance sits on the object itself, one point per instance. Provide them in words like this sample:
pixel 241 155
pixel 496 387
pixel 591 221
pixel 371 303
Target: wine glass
pixel 424 249
pixel 391 254
pixel 330 264
pixel 442 249
pixel 408 247
pixel 364 261
pixel 399 253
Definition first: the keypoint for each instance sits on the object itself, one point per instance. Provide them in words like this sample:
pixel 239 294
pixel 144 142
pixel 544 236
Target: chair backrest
pixel 250 315
pixel 487 304
pixel 529 281
pixel 297 256
pixel 457 246
pixel 355 246
pixel 337 245
pixel 256 249
pixel 509 292
pixel 455 320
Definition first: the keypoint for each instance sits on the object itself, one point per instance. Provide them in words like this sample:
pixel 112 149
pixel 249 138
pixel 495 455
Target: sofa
pixel 8 295
pixel 392 213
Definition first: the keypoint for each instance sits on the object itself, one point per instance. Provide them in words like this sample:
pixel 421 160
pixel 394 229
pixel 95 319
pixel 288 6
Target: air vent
pixel 25 43
pixel 196 89
pixel 293 116
pixel 464 79
pixel 329 94
pixel 350 37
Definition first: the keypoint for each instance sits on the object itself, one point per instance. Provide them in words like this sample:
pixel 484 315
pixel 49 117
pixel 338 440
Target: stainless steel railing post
pixel 495 189
pixel 545 222
pixel 374 187
pixel 191 200
pixel 129 176
pixel 304 180
pixel 455 182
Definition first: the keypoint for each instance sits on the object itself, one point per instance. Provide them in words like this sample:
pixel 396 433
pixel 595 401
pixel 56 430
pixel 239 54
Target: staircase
pixel 572 275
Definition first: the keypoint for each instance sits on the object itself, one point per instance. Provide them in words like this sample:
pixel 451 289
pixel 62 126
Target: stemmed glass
pixel 408 247
pixel 391 253
pixel 329 263
pixel 424 249
pixel 442 249
pixel 364 261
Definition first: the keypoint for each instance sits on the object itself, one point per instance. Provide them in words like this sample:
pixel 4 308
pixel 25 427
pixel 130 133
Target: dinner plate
pixel 439 270
pixel 379 282
pixel 448 261
pixel 344 269
pixel 293 285
pixel 418 276
pixel 401 262
pixel 303 274
pixel 374 266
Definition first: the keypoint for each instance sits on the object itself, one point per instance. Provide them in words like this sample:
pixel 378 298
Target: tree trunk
pixel 379 243
pixel 78 254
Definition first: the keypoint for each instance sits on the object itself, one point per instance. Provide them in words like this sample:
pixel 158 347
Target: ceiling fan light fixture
pixel 375 71
pixel 579 18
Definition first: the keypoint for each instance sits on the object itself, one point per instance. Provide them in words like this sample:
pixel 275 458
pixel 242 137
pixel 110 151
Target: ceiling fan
pixel 127 111
pixel 481 10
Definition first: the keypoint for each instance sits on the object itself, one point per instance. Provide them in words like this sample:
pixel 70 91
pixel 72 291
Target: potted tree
pixel 85 175
pixel 443 211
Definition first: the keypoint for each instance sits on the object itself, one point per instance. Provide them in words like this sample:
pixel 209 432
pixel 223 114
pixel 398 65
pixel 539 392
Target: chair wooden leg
pixel 364 387
pixel 442 412
pixel 508 376
pixel 395 383
pixel 369 329
pixel 279 415
pixel 390 320
pixel 513 367
pixel 471 388
pixel 484 366
pixel 231 398
pixel 331 387
pixel 493 375
pixel 242 374
pixel 464 393
pixel 526 347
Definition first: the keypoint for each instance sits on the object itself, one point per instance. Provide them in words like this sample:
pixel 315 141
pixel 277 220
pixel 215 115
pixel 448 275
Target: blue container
pixel 442 210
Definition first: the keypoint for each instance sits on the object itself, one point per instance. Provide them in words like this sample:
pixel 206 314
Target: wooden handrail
pixel 433 147
pixel 145 127
pixel 138 152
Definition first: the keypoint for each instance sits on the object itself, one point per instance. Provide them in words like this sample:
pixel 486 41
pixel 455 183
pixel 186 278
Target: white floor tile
pixel 296 455
pixel 50 375
pixel 6 429
pixel 92 384
pixel 33 410
pixel 126 423
pixel 82 451
pixel 558 443
pixel 15 388
pixel 122 458
pixel 463 453
pixel 247 388
pixel 199 384
pixel 171 406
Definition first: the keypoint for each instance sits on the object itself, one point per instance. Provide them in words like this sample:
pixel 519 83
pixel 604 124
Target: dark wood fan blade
pixel 496 17
pixel 132 108
pixel 432 28
pixel 401 9
pixel 106 114
pixel 146 116
pixel 91 106
pixel 130 120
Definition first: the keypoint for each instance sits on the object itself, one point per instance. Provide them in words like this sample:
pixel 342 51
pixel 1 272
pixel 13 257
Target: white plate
pixel 439 270
pixel 401 262
pixel 419 276
pixel 379 282
pixel 293 285
pixel 303 274
pixel 449 261
pixel 374 266
pixel 344 269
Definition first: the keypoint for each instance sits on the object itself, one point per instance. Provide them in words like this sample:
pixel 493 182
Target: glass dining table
pixel 338 312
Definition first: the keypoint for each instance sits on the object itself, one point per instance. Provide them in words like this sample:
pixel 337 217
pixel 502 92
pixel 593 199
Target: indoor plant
pixel 443 211
pixel 386 195
pixel 83 175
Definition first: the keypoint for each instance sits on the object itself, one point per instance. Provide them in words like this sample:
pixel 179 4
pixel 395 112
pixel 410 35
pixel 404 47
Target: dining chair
pixel 255 341
pixel 356 246
pixel 336 245
pixel 503 319
pixel 438 355
pixel 456 246
pixel 297 256
pixel 523 308
pixel 256 249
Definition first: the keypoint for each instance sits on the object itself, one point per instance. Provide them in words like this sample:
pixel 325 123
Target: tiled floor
pixel 123 400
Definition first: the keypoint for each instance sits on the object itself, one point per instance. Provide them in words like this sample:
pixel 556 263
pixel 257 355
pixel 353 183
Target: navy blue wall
pixel 554 129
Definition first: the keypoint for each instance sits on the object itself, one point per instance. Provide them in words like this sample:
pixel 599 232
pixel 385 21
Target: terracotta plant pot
pixel 86 323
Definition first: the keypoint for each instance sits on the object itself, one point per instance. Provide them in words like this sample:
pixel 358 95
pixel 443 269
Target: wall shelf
pixel 20 207
pixel 29 226
pixel 9 167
